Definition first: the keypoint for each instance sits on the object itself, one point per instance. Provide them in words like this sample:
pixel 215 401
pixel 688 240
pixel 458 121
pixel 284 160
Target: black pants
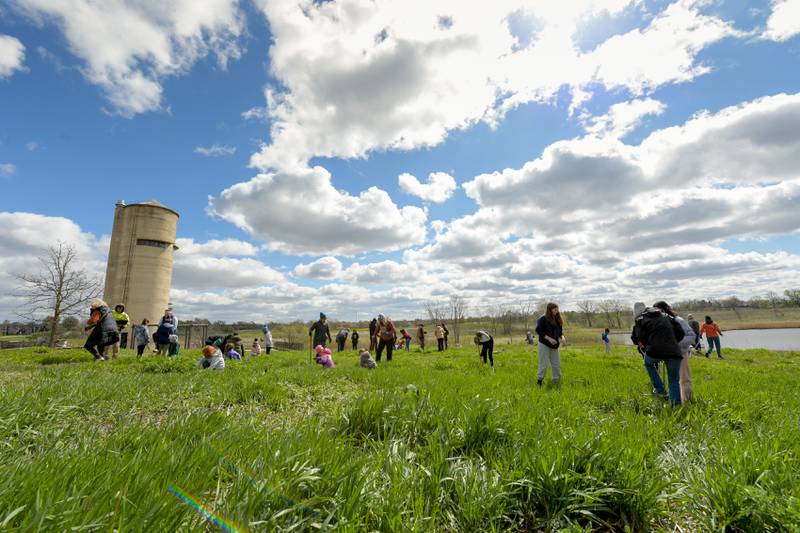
pixel 389 345
pixel 94 347
pixel 441 344
pixel 268 349
pixel 372 342
pixel 140 350
pixel 123 339
pixel 445 342
pixel 340 344
pixel 486 349
pixel 355 344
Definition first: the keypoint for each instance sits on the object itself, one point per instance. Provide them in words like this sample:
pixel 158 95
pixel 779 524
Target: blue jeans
pixel 673 377
pixel 712 342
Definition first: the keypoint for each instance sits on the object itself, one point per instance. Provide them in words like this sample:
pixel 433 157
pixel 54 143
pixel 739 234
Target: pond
pixel 785 339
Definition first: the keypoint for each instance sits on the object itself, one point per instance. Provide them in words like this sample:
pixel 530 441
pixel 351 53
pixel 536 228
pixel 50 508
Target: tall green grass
pixel 433 442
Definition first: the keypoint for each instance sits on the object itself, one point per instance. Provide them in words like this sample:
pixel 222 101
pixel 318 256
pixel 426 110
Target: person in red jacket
pixel 713 333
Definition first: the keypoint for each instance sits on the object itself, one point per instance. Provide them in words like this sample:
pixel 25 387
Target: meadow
pixel 428 442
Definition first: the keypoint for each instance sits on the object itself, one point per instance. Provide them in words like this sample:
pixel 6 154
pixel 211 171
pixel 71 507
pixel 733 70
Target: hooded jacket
pixel 658 334
pixel 321 333
pixel 105 328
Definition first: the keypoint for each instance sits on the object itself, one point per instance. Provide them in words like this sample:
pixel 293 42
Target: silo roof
pixel 155 203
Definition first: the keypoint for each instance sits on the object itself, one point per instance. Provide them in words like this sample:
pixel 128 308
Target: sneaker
pixel 538 382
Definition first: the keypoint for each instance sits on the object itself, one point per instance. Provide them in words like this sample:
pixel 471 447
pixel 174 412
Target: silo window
pixel 155 244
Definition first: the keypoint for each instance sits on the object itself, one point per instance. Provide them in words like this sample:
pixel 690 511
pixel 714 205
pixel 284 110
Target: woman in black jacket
pixel 550 328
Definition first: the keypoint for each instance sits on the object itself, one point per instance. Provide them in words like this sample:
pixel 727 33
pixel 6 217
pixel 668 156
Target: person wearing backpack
pixel 550 328
pixel 657 334
pixel 686 344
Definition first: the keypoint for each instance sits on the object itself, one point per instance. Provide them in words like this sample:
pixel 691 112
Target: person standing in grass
pixel 446 334
pixel 658 335
pixel 486 342
pixel 421 337
pixel 550 329
pixel 141 337
pixel 354 339
pixel 385 337
pixel 122 319
pixel 267 338
pixel 104 329
pixel 686 344
pixel 713 333
pixel 167 326
pixel 606 340
pixel 319 332
pixel 440 337
pixel 373 326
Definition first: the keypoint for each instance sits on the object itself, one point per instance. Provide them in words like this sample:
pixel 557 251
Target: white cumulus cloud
pixel 12 55
pixel 301 212
pixel 130 47
pixel 784 21
pixel 323 268
pixel 439 189
pixel 357 77
pixel 7 169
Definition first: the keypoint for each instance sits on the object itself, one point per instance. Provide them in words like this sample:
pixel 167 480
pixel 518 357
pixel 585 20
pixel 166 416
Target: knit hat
pixel 322 316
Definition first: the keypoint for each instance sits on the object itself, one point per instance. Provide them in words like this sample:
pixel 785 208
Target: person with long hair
pixel 550 329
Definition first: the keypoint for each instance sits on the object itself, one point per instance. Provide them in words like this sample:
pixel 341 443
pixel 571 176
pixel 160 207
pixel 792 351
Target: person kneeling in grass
pixel 212 359
pixel 324 356
pixel 366 360
pixel 231 353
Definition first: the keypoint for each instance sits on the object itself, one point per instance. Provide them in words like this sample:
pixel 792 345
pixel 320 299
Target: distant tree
pixel 526 309
pixel 436 311
pixel 59 288
pixel 733 303
pixel 458 311
pixel 793 296
pixel 775 301
pixel 587 309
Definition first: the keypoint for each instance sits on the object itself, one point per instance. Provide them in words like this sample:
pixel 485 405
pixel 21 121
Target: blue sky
pixel 587 111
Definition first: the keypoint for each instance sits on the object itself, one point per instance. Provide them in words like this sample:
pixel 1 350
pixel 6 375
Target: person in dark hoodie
pixel 320 332
pixel 354 339
pixel 104 330
pixel 657 335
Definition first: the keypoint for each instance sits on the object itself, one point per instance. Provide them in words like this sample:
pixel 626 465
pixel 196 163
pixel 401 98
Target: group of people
pixel 106 328
pixel 383 336
pixel 663 337
pixel 660 334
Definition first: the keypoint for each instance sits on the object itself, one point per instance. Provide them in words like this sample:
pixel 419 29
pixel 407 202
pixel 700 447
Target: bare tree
pixel 436 311
pixel 458 311
pixel 587 308
pixel 526 309
pixel 775 300
pixel 59 289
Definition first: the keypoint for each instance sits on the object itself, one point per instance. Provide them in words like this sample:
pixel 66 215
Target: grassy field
pixel 426 443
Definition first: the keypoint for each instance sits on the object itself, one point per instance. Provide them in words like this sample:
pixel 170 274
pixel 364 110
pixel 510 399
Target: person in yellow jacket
pixel 122 319
pixel 440 337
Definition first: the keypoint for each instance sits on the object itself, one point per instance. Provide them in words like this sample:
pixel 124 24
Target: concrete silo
pixel 139 270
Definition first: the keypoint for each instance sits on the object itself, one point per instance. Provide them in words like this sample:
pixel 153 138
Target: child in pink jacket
pixel 324 356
